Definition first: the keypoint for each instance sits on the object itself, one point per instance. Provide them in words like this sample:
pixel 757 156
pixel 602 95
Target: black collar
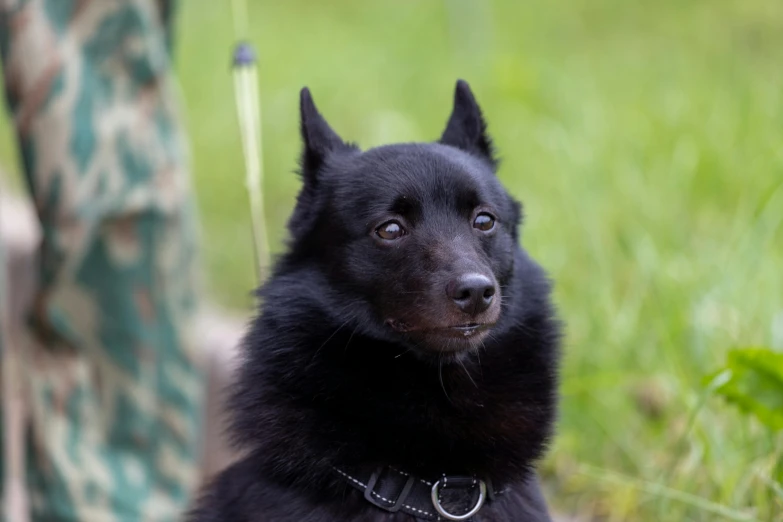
pixel 447 498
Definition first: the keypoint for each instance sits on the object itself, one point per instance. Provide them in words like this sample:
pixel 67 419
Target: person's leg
pixel 116 384
pixel 3 375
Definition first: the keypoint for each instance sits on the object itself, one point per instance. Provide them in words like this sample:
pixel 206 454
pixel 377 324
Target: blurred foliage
pixel 753 380
pixel 644 139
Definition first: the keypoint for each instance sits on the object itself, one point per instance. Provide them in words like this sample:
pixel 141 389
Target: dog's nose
pixel 473 293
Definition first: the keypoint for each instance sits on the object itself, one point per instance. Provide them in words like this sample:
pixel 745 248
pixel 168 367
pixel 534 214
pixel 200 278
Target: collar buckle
pixel 396 504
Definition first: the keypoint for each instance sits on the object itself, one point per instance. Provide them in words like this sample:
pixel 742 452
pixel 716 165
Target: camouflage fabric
pixel 114 383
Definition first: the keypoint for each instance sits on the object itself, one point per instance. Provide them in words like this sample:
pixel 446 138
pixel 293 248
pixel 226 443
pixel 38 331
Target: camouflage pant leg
pixel 115 385
pixel 3 371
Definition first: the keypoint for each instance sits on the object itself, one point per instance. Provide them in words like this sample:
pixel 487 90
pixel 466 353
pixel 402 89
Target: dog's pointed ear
pixel 466 128
pixel 318 137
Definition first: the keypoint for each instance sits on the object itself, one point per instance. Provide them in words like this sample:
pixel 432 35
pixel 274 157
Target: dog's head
pixel 422 234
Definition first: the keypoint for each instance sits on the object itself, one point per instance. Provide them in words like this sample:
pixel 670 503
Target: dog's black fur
pixel 359 356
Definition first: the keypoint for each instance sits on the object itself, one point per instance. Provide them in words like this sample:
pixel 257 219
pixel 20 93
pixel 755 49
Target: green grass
pixel 646 141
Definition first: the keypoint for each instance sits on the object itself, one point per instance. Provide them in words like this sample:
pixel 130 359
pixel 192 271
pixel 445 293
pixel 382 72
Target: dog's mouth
pixel 464 330
pixel 457 331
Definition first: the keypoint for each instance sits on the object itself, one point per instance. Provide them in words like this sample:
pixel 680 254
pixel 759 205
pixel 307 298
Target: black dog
pixel 404 363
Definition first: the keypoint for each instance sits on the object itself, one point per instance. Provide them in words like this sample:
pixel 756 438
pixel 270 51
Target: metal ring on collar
pixel 445 514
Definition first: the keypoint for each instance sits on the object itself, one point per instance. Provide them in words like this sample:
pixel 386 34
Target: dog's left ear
pixel 466 128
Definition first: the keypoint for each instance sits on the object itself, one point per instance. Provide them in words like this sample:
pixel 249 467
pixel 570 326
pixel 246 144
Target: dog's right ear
pixel 318 137
pixel 319 141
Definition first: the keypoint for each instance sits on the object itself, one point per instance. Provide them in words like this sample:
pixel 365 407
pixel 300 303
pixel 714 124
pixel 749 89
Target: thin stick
pixel 249 116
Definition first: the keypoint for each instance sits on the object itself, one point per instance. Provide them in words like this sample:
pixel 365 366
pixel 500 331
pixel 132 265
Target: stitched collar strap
pixel 448 498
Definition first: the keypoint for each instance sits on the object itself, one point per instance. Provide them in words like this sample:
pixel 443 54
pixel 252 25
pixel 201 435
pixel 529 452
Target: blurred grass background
pixel 646 142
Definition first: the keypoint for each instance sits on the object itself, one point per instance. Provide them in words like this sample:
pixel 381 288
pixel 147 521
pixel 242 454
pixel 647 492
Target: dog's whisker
pixel 345 350
pixel 403 353
pixel 459 360
pixel 482 346
pixel 330 338
pixel 491 336
pixel 527 328
pixel 440 376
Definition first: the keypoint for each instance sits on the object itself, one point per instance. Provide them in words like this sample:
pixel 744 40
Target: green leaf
pixel 753 380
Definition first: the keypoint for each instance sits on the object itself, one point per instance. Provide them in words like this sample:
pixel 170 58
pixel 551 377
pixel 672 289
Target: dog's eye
pixel 390 231
pixel 484 222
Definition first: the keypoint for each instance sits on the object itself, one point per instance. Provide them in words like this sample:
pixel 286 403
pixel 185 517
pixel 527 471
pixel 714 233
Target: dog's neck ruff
pixel 448 498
